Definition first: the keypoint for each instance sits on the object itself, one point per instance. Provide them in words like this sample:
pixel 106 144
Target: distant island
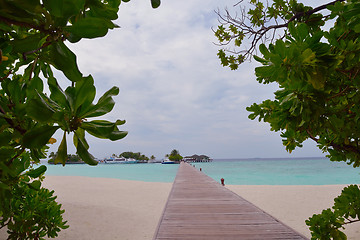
pixel 136 157
pixel 176 157
pixel 71 159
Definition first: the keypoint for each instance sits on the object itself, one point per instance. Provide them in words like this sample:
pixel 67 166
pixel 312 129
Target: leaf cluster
pixel 136 156
pixel 317 74
pixel 29 206
pixel 317 71
pixel 346 210
pixel 175 156
pixel 261 21
pixel 33 42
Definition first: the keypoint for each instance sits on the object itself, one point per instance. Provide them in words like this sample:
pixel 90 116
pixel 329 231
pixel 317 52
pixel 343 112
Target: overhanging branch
pixel 257 35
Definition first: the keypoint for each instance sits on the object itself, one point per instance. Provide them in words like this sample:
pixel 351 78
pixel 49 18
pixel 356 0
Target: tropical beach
pixel 107 92
pixel 101 208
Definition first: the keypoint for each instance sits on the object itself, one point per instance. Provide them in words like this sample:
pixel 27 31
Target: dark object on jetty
pixel 198 207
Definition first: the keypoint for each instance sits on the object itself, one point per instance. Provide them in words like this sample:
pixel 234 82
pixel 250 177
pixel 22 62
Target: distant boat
pixel 113 160
pixel 167 161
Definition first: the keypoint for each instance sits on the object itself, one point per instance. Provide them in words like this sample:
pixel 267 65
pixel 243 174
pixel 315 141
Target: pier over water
pixel 200 208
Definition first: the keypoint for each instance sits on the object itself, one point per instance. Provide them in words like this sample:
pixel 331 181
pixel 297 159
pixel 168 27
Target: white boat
pixel 167 161
pixel 113 160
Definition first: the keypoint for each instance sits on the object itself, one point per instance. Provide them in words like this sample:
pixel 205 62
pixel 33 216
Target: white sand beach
pixel 101 208
pixel 292 205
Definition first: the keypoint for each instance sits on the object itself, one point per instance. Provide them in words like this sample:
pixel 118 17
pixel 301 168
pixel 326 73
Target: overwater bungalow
pixel 197 158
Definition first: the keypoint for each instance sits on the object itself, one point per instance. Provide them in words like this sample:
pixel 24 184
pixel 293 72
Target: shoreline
pixel 107 208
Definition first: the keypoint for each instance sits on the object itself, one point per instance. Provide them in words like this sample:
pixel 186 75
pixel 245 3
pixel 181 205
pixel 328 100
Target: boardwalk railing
pixel 200 208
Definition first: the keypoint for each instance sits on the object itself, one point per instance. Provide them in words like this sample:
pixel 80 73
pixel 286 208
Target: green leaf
pixel 20 164
pixel 90 27
pixel 30 6
pixel 39 109
pixel 155 3
pixel 261 60
pixel 357 28
pixel 348 203
pixel 71 98
pixel 65 60
pixel 63 10
pixel 308 56
pixel 57 94
pixel 36 83
pixel 6 153
pixel 61 156
pixel 80 133
pixel 34 173
pixel 108 10
pixel 35 185
pixel 37 137
pixel 116 135
pixel 13 10
pixel 84 154
pixel 85 92
pixel 5 138
pixel 103 106
pixel 303 31
pixel 104 129
pixel 26 44
pixel 292 30
pixel 73 38
pixel 263 49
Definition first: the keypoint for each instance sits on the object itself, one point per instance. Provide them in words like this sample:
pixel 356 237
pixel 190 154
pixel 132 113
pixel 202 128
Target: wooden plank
pixel 200 208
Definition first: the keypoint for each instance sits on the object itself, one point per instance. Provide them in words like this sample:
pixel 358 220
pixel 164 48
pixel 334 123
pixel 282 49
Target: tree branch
pixel 3 78
pixel 11 123
pixel 23 24
pixel 345 147
pixel 340 147
pixel 311 136
pixel 351 221
pixel 260 34
pixel 16 156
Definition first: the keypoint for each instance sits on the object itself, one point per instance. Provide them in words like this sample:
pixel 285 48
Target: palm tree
pixel 174 152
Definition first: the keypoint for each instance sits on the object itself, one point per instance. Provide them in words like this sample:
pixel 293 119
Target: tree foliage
pixel 175 156
pixel 71 158
pixel 317 71
pixel 136 156
pixel 32 44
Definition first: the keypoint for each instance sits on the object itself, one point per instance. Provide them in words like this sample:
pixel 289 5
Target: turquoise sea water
pixel 308 171
pixel 153 172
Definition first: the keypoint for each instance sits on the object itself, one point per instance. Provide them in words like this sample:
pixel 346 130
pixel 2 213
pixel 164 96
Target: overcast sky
pixel 174 93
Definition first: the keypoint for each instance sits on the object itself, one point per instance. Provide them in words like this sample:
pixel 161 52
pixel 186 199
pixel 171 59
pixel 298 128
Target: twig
pixel 260 34
pixel 339 93
pixel 3 78
pixel 16 156
pixel 311 136
pixel 32 68
pixel 23 24
pixel 36 50
pixel 351 221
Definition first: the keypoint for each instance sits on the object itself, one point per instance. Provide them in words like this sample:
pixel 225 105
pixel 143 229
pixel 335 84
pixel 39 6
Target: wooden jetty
pixel 200 208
